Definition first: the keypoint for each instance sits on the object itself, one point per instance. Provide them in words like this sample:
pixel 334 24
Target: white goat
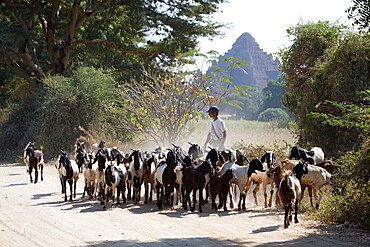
pixel 316 178
pixel 242 175
pixel 90 176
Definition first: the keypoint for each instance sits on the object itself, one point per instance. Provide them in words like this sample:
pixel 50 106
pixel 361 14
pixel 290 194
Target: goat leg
pixel 286 221
pixel 271 193
pixel 42 172
pixel 30 171
pixel 70 189
pixel 36 174
pixel 194 200
pixel 158 198
pixel 200 200
pixel 224 196
pixel 296 212
pixel 74 188
pixel 64 186
pixel 146 187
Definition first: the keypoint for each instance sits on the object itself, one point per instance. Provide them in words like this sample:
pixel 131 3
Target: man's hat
pixel 213 109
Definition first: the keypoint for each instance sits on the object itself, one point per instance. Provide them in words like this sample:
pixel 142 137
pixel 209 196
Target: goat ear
pixel 263 158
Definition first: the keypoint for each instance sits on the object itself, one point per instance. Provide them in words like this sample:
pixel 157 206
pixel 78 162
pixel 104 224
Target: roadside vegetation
pixel 105 78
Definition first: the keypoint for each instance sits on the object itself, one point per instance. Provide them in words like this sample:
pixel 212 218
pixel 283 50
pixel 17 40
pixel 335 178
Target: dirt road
pixel 36 215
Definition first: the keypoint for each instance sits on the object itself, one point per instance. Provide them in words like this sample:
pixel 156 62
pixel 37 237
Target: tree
pixel 272 93
pixel 161 106
pixel 360 13
pixel 325 62
pixel 48 36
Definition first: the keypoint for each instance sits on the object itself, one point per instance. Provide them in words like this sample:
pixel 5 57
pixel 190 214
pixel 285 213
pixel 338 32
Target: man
pixel 217 131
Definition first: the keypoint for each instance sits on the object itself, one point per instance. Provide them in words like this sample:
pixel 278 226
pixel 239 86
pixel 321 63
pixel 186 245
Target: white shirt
pixel 217 132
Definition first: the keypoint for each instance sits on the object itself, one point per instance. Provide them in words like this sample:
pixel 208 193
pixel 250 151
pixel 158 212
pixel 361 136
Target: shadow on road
pixel 173 242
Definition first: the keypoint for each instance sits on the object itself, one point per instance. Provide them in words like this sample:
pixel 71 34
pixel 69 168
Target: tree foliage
pixel 360 13
pixel 37 37
pixel 70 103
pixel 325 62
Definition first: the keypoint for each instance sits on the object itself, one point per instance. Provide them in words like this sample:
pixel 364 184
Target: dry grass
pixel 239 131
pixel 247 132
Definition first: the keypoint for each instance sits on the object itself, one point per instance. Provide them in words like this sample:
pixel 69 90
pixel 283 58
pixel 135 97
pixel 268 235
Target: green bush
pixel 275 114
pixel 20 123
pixel 350 203
pixel 84 99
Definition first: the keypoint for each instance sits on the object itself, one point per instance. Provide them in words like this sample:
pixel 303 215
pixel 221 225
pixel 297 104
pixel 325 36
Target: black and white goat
pixel 195 151
pixel 70 174
pixel 290 191
pixel 137 171
pixel 81 157
pixel 114 180
pixel 34 159
pixel 101 158
pixel 165 178
pixel 314 156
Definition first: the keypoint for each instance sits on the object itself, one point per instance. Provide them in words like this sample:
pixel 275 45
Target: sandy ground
pixel 36 215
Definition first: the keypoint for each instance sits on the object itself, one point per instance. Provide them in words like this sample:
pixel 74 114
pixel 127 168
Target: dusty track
pixel 36 215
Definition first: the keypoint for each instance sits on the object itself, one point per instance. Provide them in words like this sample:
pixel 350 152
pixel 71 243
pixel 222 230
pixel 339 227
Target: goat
pixel 241 159
pixel 118 156
pixel 327 165
pixel 26 156
pixel 315 179
pixel 70 174
pixel 99 170
pixel 290 191
pixel 194 151
pixel 220 185
pixel 137 171
pixel 35 159
pixel 268 159
pixel 90 177
pixel 114 179
pixel 148 178
pixel 165 178
pixel 242 175
pixel 314 156
pixel 81 157
pixel 187 180
pixel 277 173
pixel 199 182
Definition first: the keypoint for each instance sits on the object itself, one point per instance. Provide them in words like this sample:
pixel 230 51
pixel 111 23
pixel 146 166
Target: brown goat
pixel 220 185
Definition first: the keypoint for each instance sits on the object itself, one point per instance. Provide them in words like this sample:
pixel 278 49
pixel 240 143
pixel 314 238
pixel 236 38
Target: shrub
pixel 20 123
pixel 275 114
pixel 351 201
pixel 81 100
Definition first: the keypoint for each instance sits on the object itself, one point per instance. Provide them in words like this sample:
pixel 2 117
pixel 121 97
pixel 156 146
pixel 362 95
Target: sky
pixel 268 20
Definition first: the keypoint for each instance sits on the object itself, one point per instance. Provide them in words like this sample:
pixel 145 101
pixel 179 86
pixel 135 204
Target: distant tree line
pixel 259 105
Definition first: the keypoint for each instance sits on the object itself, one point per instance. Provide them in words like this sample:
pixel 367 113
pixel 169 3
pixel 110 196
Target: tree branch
pixel 111 44
pixel 17 68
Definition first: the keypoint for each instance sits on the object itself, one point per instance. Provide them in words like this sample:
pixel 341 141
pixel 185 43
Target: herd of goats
pixel 108 171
